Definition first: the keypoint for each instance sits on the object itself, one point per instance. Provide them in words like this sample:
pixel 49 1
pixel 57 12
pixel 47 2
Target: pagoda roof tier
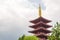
pixel 40 24
pixel 40 19
pixel 40 30
pixel 42 35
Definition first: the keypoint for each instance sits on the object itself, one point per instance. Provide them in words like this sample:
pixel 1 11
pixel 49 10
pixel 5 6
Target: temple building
pixel 40 27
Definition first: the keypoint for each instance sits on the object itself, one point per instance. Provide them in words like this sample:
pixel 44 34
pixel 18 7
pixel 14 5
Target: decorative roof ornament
pixel 40 12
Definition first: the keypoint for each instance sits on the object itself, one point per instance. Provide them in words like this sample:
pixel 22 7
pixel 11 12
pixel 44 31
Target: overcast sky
pixel 16 14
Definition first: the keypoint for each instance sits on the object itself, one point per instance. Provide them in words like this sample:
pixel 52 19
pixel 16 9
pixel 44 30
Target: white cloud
pixel 12 18
pixel 15 16
pixel 52 10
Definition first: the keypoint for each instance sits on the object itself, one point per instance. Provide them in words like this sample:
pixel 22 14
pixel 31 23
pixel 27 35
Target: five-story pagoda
pixel 40 27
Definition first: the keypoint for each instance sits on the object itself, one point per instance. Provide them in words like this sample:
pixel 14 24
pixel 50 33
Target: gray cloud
pixel 37 2
pixel 12 21
pixel 15 16
pixel 53 10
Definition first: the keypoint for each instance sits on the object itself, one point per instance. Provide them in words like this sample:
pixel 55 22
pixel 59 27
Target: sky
pixel 16 14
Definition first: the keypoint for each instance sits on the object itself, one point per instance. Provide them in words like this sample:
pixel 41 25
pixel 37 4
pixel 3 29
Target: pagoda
pixel 40 27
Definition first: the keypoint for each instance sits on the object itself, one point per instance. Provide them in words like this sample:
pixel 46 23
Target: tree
pixel 55 32
pixel 28 38
pixel 22 38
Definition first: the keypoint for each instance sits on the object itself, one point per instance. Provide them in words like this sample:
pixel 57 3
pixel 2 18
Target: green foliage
pixel 51 37
pixel 55 32
pixel 28 38
pixel 22 38
pixel 31 38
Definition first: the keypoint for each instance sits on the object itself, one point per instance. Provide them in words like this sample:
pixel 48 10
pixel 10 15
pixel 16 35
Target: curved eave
pixel 40 30
pixel 42 36
pixel 40 24
pixel 40 19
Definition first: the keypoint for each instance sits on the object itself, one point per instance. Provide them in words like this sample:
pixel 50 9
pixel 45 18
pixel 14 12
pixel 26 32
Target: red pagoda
pixel 40 27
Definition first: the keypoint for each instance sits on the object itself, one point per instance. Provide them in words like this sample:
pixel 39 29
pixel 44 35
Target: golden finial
pixel 40 14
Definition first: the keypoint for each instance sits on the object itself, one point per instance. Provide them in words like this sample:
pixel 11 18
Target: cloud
pixel 37 2
pixel 13 22
pixel 52 10
pixel 15 16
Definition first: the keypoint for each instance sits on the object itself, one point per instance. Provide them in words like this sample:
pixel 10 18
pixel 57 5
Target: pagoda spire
pixel 40 14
